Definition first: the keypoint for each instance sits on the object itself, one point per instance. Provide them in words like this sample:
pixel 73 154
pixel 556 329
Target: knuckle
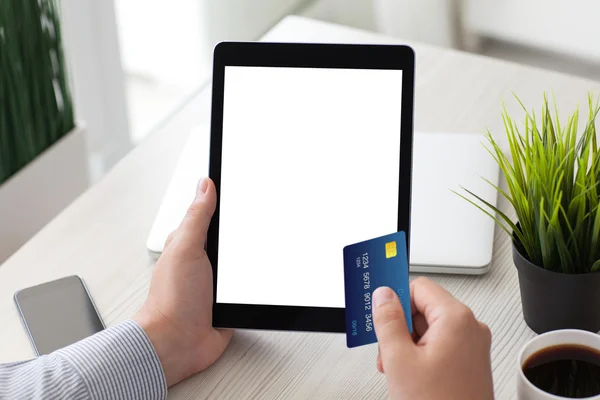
pixel 195 207
pixel 387 313
pixel 170 238
pixel 419 280
pixel 198 209
pixel 486 332
pixel 464 315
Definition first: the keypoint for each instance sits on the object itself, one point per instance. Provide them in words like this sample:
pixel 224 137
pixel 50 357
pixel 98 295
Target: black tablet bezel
pixel 273 317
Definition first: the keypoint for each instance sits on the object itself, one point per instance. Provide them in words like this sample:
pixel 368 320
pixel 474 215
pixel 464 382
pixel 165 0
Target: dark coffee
pixel 566 370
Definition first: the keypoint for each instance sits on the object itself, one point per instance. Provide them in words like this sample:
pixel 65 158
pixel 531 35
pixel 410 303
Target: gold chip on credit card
pixel 390 249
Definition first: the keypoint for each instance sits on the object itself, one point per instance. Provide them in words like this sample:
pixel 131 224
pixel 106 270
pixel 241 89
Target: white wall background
pixel 356 13
pixel 167 44
pixel 92 51
pixel 567 27
pixel 171 42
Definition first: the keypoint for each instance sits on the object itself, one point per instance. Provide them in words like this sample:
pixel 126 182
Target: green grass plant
pixel 36 108
pixel 553 178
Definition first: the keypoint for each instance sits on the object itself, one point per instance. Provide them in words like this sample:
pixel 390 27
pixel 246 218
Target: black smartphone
pixel 58 313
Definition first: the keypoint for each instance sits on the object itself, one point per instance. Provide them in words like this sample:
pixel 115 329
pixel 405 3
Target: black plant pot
pixel 552 300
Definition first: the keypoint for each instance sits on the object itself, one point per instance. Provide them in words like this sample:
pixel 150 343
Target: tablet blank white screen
pixel 310 164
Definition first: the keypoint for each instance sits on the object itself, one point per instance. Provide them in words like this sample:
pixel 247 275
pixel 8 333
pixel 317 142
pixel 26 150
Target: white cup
pixel 525 389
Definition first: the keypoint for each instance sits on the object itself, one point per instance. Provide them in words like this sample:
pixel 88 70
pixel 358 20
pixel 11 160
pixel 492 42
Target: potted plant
pixel 553 179
pixel 43 161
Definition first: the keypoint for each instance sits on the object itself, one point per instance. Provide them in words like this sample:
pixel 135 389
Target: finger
pixel 430 299
pixel 169 239
pixel 226 334
pixel 420 325
pixel 395 342
pixel 379 363
pixel 194 225
pixel 486 332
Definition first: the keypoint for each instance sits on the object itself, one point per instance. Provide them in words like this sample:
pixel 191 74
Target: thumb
pixel 194 225
pixel 395 341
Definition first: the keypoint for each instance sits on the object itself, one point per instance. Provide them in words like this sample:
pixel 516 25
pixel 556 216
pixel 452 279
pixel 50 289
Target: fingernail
pixel 202 186
pixel 382 296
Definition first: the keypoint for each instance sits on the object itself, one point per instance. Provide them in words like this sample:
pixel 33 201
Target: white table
pixel 101 237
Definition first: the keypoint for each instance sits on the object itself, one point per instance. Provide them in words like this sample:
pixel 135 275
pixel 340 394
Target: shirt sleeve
pixel 117 363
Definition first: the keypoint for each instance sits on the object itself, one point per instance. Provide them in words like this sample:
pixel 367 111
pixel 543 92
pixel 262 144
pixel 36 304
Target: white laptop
pixel 448 235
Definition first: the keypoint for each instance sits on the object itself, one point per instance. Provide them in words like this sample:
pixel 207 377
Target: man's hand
pixel 177 315
pixel 447 358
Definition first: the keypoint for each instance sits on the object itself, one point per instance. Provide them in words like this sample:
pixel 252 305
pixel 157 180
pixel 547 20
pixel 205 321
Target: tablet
pixel 310 151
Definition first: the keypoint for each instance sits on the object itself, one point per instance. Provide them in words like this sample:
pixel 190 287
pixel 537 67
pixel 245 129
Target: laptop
pixel 448 235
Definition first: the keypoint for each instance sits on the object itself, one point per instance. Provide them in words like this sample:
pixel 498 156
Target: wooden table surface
pixel 101 236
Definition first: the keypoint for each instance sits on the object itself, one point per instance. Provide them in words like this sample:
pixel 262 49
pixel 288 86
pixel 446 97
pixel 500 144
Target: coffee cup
pixel 548 347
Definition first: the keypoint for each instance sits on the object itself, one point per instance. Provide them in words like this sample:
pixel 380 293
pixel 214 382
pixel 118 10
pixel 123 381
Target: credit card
pixel 382 261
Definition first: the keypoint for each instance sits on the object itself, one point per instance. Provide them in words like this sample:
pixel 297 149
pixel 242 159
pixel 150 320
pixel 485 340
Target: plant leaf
pixel 35 100
pixel 553 179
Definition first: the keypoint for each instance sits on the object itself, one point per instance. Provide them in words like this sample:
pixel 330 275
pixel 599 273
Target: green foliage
pixel 35 102
pixel 554 187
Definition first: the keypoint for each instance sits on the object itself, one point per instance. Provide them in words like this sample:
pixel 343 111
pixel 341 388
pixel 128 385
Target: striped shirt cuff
pixel 118 363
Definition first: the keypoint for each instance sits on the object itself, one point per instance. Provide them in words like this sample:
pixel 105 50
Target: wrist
pixel 176 358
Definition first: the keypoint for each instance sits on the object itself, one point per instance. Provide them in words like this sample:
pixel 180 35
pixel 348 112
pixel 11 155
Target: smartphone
pixel 58 313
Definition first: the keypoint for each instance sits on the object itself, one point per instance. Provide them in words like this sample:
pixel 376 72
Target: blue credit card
pixel 368 265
